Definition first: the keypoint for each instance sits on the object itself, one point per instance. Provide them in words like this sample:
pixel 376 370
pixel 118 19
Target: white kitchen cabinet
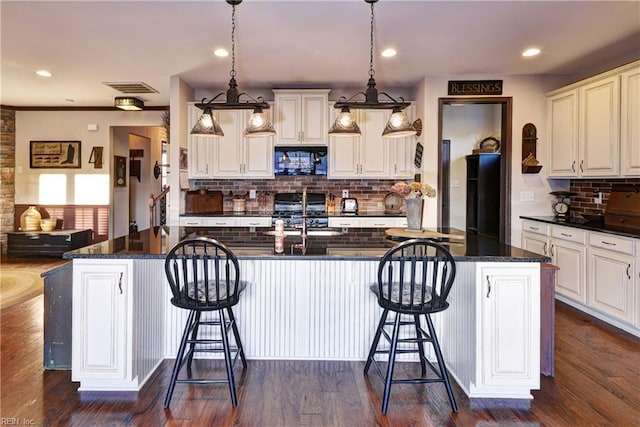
pixel 568 251
pixel 233 155
pixel 367 222
pixel 253 221
pixel 611 275
pixel 369 155
pixel 225 221
pixel 584 130
pixel 535 237
pixel 102 332
pixel 637 284
pixel 510 325
pixel 301 116
pixel 629 122
pixel 237 156
pixel 599 132
pixel 200 148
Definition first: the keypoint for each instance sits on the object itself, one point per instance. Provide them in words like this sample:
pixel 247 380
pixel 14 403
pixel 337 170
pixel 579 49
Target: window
pixel 52 189
pixel 91 189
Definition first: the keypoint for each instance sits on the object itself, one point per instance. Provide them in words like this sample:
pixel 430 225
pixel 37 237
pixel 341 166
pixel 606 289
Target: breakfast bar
pixel 310 302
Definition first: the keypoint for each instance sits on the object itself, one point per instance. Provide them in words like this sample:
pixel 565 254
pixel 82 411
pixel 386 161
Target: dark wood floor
pixel 597 383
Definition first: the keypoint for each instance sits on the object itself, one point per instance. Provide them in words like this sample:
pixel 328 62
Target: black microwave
pixel 295 161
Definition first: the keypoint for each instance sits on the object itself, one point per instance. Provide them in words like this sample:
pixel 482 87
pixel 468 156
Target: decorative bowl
pixel 48 224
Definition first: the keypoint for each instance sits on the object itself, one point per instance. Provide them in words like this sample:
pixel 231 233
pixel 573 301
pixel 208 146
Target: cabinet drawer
pixel 536 227
pixel 191 222
pixel 569 234
pixel 344 222
pixel 220 222
pixel 383 222
pixel 612 243
pixel 253 221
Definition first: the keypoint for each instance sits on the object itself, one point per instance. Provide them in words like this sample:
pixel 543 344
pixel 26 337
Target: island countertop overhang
pixel 252 243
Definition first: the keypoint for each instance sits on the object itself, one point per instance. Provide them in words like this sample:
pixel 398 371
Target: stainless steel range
pixel 288 207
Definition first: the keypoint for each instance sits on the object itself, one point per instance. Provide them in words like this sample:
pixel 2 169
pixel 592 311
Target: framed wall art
pixel 54 154
pixel 120 171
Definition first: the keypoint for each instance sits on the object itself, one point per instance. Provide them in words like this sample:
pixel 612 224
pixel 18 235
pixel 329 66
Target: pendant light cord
pixel 232 73
pixel 371 70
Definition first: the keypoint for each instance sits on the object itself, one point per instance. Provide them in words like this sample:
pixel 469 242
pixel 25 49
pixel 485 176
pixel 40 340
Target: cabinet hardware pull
pixel 534 228
pixel 551 250
pixel 581 162
pixel 488 286
pixel 573 166
pixel 607 243
pixel 545 248
pixel 566 235
pixel 120 283
pixel 628 268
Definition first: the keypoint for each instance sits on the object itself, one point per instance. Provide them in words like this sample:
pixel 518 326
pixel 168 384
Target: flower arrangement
pixel 415 190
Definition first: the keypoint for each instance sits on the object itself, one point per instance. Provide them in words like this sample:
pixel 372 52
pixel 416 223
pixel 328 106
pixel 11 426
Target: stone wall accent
pixel 7 174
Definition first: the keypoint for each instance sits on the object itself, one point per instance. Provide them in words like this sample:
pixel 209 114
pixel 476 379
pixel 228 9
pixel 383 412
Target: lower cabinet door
pixel 571 277
pixel 510 304
pixel 611 281
pixel 100 320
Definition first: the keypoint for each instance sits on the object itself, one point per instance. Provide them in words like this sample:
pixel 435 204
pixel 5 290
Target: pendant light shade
pixel 345 125
pixel 398 125
pixel 259 125
pixel 207 125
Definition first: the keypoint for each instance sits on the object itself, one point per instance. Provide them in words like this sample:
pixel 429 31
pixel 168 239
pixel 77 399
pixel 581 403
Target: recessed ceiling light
pixel 221 52
pixel 389 52
pixel 44 73
pixel 531 52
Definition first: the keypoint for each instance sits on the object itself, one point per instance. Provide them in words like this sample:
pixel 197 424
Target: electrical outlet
pixel 527 196
pixel 345 193
pixel 252 194
pixel 598 198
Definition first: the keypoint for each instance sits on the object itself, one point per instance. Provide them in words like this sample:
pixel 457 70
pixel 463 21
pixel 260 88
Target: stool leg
pixel 376 339
pixel 227 359
pixel 194 336
pixel 423 363
pixel 391 364
pixel 236 335
pixel 179 358
pixel 443 367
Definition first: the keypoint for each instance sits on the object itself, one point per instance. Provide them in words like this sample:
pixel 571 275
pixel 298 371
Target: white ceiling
pixel 295 43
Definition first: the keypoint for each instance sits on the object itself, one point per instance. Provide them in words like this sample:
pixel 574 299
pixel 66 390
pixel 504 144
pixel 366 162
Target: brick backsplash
pixel 584 202
pixel 369 192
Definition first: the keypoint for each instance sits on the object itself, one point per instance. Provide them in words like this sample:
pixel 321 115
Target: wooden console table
pixel 46 243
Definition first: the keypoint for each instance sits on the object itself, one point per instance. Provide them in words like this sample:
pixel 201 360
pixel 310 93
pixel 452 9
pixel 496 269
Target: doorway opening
pixel 462 124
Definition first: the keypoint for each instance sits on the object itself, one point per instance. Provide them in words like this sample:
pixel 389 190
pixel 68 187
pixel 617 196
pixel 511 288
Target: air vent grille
pixel 131 87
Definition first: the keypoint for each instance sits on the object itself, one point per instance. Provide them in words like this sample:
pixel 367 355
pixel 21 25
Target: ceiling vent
pixel 131 87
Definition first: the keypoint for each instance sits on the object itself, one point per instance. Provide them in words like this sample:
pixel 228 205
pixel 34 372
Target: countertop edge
pixel 600 228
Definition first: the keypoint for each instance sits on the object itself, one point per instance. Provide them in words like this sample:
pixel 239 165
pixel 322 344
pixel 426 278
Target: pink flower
pixel 414 190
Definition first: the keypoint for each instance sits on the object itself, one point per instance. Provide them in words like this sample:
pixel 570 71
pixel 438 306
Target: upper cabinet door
pixel 630 123
pixel 599 131
pixel 374 149
pixel 200 149
pixel 562 119
pixel 227 152
pixel 301 116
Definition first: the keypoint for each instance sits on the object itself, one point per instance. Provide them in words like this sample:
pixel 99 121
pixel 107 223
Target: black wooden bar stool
pixel 204 276
pixel 414 279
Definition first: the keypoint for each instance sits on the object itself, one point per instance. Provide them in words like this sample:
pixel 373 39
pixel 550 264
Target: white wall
pixel 72 125
pixel 528 93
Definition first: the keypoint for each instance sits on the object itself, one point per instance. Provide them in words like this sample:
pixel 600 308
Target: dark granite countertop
pixel 353 244
pixel 362 213
pixel 586 225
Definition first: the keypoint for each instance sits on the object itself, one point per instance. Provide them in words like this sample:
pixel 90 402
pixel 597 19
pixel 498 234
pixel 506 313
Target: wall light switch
pixel 598 198
pixel 18 169
pixel 527 196
pixel 252 194
pixel 455 183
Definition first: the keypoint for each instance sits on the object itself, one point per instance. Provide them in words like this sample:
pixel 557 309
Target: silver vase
pixel 414 214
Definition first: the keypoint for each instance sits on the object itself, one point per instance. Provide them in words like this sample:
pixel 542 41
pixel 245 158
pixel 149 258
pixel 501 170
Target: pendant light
pixel 258 124
pixel 398 124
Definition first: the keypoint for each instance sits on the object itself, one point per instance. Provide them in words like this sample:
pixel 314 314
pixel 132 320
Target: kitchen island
pixel 305 304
